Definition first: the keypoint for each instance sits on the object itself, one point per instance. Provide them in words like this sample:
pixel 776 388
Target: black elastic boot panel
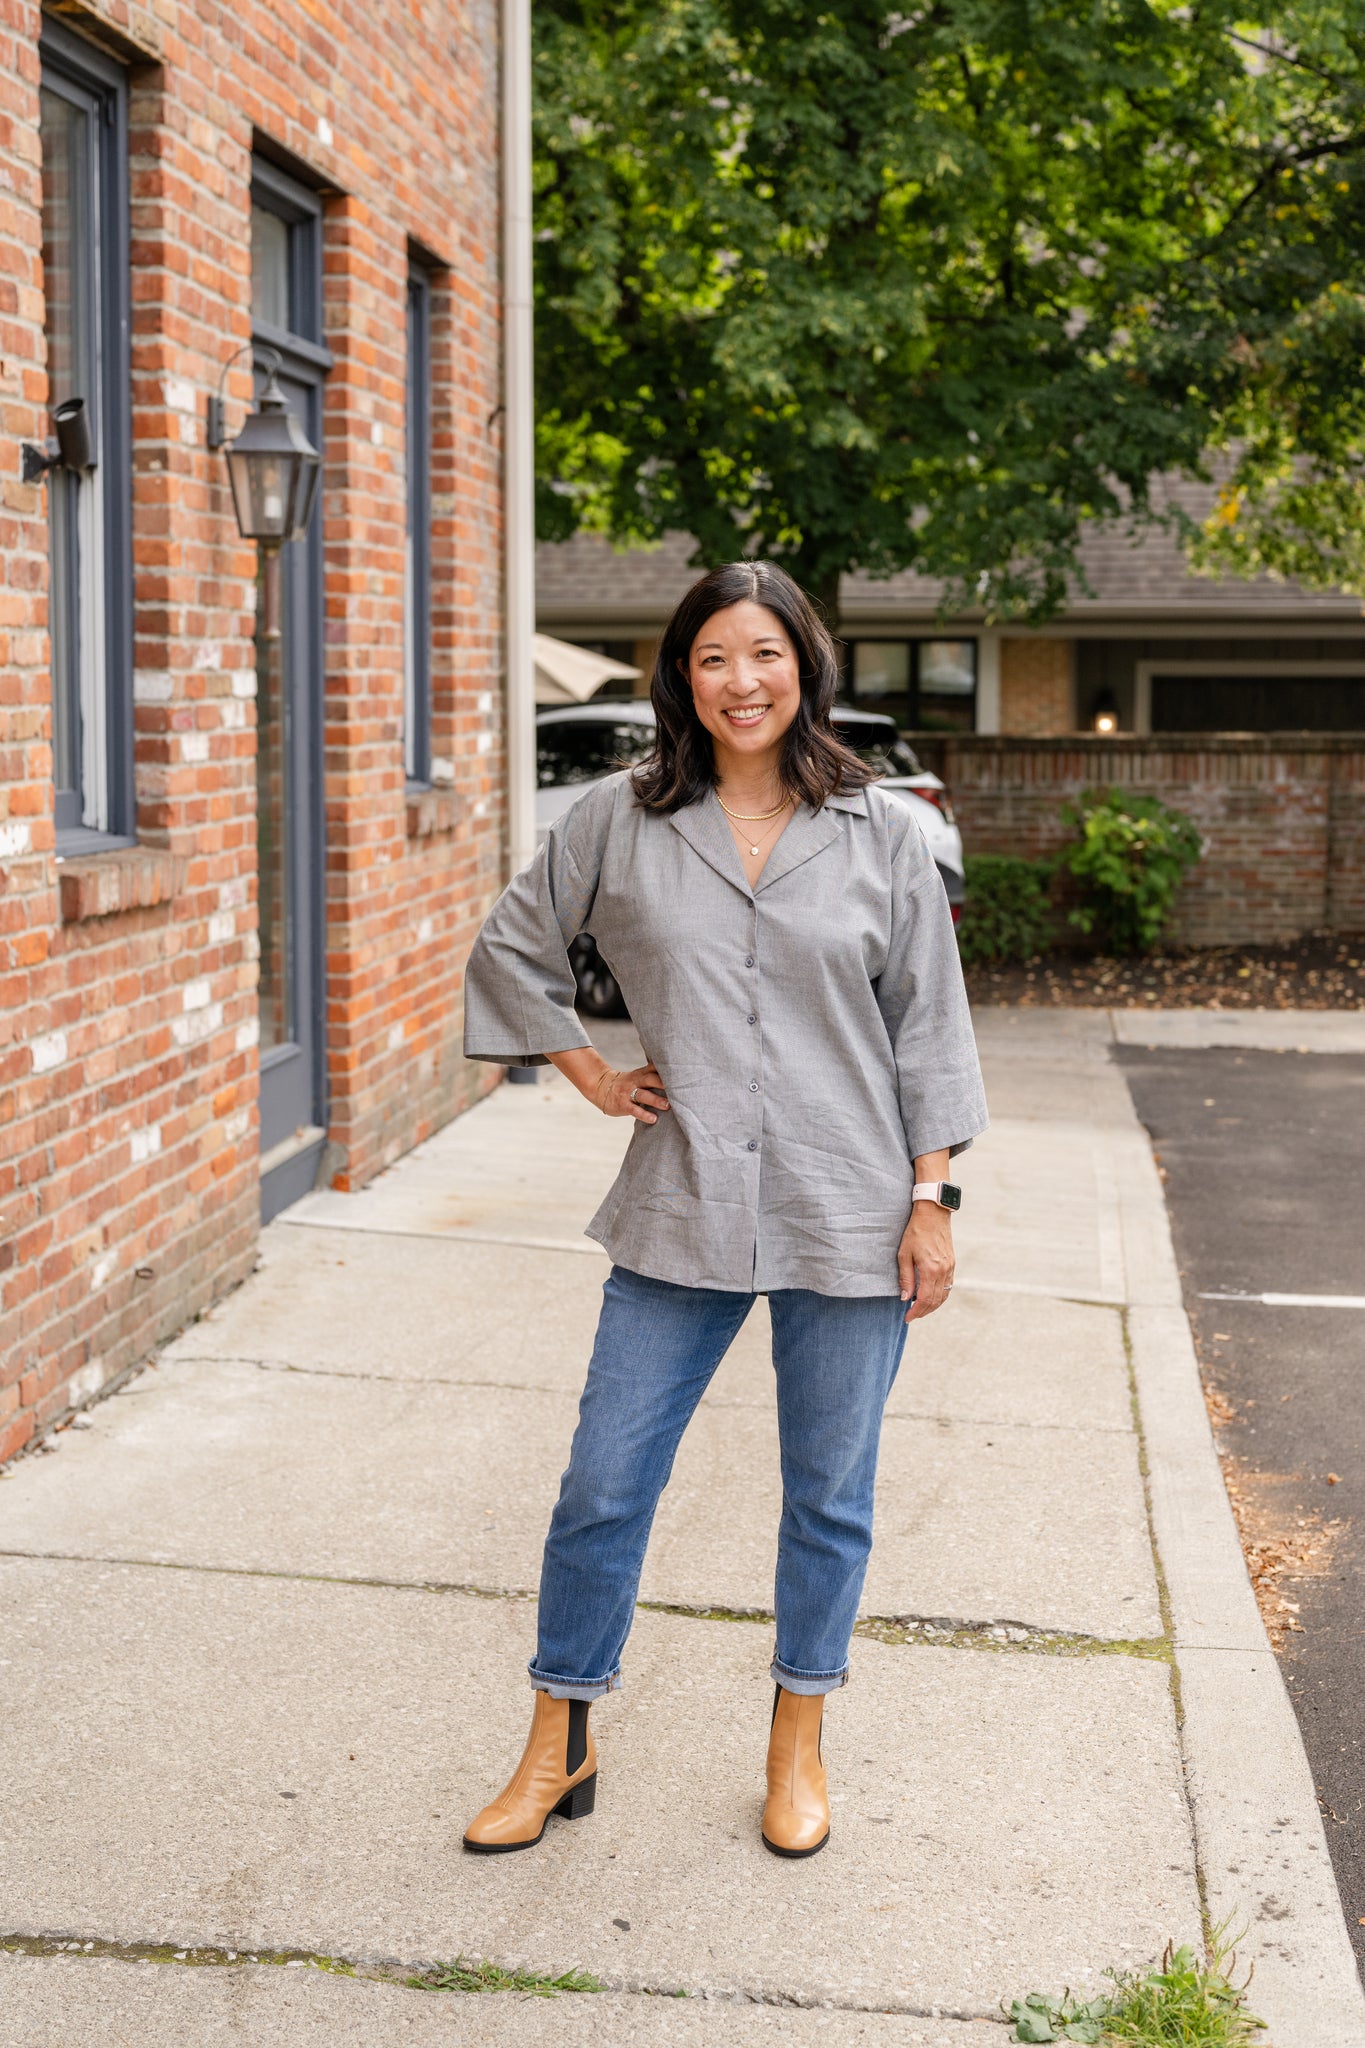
pixel 577 1748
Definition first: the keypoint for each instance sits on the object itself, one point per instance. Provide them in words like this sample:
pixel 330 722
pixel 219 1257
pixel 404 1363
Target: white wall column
pixel 519 513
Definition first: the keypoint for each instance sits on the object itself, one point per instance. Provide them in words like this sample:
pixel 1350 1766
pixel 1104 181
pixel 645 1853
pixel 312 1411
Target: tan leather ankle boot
pixel 557 1774
pixel 796 1815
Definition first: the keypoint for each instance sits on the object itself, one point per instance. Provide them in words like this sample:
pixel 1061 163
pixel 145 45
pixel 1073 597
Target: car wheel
pixel 599 992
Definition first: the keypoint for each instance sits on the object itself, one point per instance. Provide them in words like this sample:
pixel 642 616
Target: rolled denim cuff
pixel 573 1688
pixel 808 1683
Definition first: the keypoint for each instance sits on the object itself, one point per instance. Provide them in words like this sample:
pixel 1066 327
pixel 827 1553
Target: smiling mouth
pixel 747 714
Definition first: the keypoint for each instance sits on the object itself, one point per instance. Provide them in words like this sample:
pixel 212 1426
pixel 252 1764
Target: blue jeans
pixel 657 1347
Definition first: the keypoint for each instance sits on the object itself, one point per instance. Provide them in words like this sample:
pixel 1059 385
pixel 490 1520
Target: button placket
pixel 751 961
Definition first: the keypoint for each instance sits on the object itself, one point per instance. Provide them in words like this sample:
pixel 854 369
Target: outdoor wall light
pixel 274 469
pixel 1104 713
pixel 72 448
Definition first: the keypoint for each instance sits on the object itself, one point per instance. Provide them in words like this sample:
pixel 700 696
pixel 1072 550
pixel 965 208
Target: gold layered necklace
pixel 755 818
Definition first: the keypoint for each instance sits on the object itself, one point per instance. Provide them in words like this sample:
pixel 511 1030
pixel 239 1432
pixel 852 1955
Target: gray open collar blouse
pixel 812 1032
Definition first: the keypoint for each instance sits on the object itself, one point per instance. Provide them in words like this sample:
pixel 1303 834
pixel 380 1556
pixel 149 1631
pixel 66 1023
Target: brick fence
pixel 1282 817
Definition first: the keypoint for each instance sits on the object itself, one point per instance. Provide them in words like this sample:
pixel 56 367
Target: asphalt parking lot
pixel 1264 1158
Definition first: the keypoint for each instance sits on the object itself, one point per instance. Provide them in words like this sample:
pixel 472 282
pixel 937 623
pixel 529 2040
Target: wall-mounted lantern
pixel 1104 713
pixel 273 468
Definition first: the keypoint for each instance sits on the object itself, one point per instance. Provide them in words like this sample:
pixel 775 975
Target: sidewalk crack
pixel 896 1631
pixel 417 1975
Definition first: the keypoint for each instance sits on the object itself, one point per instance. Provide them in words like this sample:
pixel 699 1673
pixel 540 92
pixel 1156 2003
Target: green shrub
pixel 1007 915
pixel 1130 855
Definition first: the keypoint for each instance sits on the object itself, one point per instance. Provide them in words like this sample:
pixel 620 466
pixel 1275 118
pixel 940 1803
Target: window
pixel 945 678
pixel 286 259
pixel 881 670
pixel 929 685
pixel 83 136
pixel 417 569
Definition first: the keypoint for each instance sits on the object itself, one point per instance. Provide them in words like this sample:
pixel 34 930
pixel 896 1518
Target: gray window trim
pixel 83 73
pixel 417 620
pixel 293 202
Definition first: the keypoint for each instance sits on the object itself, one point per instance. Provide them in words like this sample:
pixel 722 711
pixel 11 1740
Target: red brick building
pixel 237 878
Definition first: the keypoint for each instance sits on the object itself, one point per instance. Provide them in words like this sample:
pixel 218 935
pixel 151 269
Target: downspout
pixel 518 432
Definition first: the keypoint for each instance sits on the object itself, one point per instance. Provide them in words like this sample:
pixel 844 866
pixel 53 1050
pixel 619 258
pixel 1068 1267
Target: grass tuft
pixel 1180 2003
pixel 462 1975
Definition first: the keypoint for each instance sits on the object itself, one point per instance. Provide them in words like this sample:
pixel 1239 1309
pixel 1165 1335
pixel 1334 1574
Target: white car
pixel 581 743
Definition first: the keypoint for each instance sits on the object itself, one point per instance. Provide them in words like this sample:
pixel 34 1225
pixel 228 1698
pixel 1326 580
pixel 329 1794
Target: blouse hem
pixel 650 1270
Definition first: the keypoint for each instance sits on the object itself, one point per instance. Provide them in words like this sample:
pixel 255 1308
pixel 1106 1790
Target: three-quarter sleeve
pixel 519 988
pixel 923 1002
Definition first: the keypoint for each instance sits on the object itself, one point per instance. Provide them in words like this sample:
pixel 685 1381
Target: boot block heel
pixel 579 1801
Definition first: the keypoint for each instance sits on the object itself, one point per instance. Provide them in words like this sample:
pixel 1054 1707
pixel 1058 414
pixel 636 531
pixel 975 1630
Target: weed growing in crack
pixel 466 1976
pixel 1180 2003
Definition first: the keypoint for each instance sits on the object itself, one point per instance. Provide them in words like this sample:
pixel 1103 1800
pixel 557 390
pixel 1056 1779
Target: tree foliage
pixel 858 287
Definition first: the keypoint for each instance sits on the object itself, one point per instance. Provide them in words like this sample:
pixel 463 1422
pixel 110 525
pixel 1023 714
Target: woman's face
pixel 746 681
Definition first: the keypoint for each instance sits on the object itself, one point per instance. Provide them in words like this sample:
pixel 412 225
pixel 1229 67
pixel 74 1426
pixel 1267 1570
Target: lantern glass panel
pixel 263 487
pixel 305 491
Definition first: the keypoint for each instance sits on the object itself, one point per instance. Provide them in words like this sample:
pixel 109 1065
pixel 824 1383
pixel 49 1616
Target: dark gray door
pixel 286 319
pixel 289 859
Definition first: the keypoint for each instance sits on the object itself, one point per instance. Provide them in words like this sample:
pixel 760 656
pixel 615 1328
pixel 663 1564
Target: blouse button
pixel 748 960
pixel 753 1020
pixel 753 1087
pixel 753 1144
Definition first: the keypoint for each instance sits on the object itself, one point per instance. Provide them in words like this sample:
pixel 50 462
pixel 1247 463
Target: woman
pixel 786 951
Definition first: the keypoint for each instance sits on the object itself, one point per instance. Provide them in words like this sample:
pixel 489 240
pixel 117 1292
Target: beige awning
pixel 570 675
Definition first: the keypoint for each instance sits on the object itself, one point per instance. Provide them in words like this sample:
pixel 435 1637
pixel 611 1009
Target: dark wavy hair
pixel 815 763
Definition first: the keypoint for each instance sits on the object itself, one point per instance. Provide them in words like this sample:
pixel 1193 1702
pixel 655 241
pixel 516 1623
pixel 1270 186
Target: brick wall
pixel 128 1031
pixel 1036 689
pixel 1283 818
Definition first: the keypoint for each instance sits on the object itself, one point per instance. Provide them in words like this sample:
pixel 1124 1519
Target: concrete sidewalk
pixel 267 1618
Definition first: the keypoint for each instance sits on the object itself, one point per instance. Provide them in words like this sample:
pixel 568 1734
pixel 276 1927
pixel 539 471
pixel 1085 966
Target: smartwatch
pixel 945 1192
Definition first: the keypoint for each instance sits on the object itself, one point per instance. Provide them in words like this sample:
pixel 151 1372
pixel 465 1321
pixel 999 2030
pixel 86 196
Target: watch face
pixel 949 1195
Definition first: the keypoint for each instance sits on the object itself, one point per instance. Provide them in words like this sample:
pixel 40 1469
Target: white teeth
pixel 747 717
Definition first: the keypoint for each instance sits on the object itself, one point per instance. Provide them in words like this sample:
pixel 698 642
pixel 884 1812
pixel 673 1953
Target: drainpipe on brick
pixel 519 431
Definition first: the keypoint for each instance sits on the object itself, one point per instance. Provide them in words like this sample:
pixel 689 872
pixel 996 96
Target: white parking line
pixel 1294 1300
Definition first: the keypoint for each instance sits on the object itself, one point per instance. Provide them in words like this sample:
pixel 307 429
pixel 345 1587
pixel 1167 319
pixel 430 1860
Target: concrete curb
pixel 1252 1030
pixel 1261 1848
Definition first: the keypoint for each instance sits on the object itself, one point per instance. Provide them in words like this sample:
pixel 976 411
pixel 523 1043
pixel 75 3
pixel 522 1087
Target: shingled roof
pixel 1135 580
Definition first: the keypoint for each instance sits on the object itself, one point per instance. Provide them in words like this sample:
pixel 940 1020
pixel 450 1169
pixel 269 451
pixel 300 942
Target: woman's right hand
pixel 639 1092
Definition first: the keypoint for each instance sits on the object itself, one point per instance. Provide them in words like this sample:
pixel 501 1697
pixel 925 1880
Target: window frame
pixel 301 209
pixel 97 84
pixel 918 688
pixel 417 565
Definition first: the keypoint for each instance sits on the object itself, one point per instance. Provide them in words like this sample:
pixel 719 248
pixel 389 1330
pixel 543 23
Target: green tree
pixel 866 288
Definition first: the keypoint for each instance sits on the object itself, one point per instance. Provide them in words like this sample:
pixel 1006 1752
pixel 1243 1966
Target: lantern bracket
pixel 215 422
